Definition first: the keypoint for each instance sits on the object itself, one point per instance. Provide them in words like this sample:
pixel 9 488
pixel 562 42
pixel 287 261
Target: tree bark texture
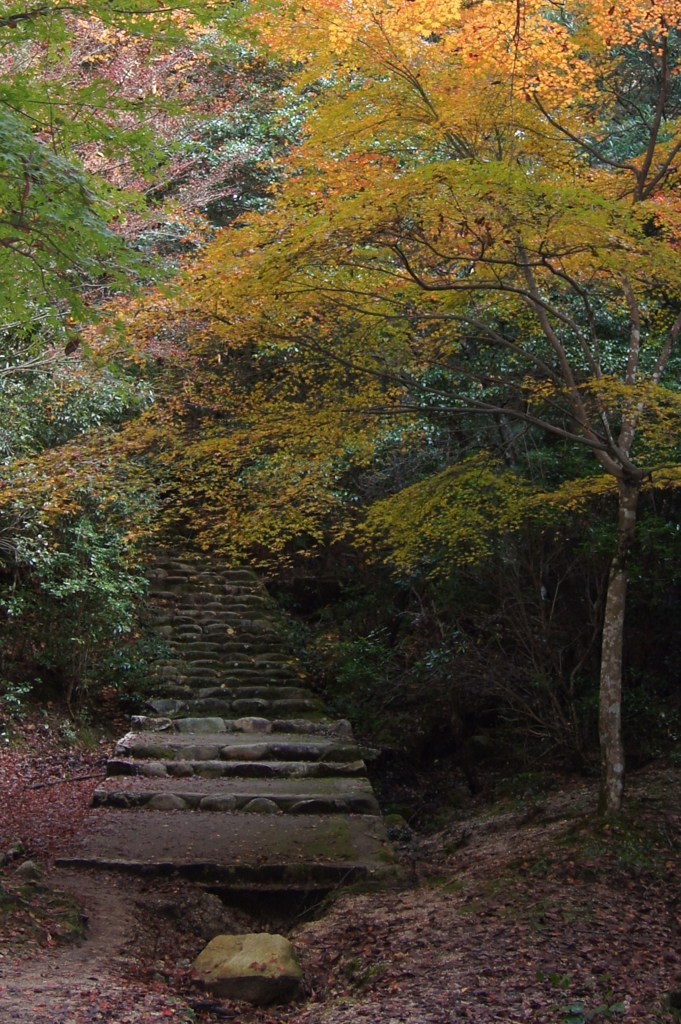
pixel 612 664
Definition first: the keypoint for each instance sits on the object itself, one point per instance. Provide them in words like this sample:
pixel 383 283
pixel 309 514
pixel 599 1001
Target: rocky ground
pixel 518 909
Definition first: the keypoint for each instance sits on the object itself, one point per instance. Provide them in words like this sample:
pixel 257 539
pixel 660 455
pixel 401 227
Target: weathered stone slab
pixel 258 968
pixel 237 848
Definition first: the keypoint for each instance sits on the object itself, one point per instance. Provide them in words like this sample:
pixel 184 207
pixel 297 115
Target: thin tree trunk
pixel 610 698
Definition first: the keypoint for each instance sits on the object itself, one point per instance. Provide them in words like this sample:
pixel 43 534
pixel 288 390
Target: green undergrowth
pixel 32 915
pixel 520 790
pixel 51 725
pixel 591 851
pixel 643 843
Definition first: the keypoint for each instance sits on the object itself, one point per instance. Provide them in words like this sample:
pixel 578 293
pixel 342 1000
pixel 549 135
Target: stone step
pixel 204 578
pixel 174 604
pixel 200 687
pixel 212 605
pixel 299 707
pixel 222 632
pixel 190 570
pixel 221 626
pixel 207 601
pixel 226 660
pixel 239 691
pixel 236 849
pixel 224 746
pixel 208 684
pixel 259 796
pixel 256 653
pixel 201 683
pixel 226 695
pixel 249 725
pixel 227 651
pixel 183 644
pixel 170 670
pixel 174 587
pixel 227 678
pixel 204 701
pixel 237 769
pixel 223 609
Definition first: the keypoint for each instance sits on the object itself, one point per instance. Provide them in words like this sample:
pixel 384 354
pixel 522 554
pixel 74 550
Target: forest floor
pixel 519 908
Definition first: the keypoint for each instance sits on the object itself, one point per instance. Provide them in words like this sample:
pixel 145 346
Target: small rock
pixel 200 725
pixel 261 805
pixel 218 803
pixel 258 968
pixel 29 871
pixel 151 770
pixel 253 724
pixel 143 723
pixel 317 805
pixel 167 802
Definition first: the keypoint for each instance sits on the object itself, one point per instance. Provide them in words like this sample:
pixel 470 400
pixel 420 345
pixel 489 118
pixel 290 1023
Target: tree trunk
pixel 610 697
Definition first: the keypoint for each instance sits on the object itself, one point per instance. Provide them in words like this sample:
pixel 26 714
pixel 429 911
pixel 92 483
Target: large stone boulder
pixel 258 968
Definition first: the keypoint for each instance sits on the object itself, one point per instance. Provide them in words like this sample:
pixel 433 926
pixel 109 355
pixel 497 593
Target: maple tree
pixel 482 221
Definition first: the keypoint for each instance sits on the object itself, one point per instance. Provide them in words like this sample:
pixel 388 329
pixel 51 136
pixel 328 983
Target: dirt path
pixel 88 981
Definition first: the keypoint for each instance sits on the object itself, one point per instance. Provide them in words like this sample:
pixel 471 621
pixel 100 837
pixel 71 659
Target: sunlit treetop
pixel 536 47
pixel 302 30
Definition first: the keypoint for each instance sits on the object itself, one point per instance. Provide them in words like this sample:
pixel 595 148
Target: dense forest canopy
pixel 385 290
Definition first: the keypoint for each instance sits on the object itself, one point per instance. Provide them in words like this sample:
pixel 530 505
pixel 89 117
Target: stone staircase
pixel 236 776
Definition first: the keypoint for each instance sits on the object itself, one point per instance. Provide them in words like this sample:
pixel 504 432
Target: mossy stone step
pixel 208 683
pixel 223 746
pixel 239 848
pixel 226 662
pixel 258 796
pixel 242 707
pixel 212 706
pixel 223 646
pixel 206 601
pixel 249 724
pixel 251 649
pixel 211 632
pixel 228 694
pixel 190 644
pixel 206 677
pixel 188 571
pixel 193 564
pixel 225 632
pixel 249 692
pixel 237 769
